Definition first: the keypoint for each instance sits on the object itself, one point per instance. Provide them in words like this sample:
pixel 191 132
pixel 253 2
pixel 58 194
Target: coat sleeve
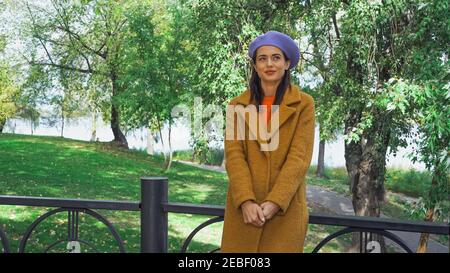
pixel 298 159
pixel 239 176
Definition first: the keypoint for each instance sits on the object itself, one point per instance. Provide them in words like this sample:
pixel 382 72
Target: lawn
pixel 62 168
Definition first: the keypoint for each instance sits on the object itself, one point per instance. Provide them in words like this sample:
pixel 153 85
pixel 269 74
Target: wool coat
pixel 276 175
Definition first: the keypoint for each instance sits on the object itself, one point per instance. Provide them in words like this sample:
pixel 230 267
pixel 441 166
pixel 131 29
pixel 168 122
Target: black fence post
pixel 154 222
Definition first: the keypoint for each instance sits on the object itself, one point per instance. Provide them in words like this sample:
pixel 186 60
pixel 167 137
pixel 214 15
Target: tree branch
pixel 81 70
pixel 336 29
pixel 35 34
pixel 64 26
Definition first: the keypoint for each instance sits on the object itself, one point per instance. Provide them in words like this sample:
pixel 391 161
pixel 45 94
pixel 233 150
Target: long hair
pixel 257 93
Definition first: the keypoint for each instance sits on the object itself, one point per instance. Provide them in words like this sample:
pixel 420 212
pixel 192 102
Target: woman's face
pixel 270 64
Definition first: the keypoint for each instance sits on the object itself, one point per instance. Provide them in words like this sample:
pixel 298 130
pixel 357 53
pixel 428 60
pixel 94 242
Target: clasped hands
pixel 256 214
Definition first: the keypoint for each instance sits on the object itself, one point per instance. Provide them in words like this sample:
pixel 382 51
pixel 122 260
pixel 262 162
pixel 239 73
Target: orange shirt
pixel 268 101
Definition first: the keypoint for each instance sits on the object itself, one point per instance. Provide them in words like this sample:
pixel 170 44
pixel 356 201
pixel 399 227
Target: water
pixel 137 139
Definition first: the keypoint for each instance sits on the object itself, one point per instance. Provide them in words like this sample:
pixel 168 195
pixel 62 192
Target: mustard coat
pixel 277 175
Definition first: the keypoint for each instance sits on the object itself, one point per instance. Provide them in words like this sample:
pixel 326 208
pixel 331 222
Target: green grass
pixel 56 167
pixel 185 155
pixel 336 179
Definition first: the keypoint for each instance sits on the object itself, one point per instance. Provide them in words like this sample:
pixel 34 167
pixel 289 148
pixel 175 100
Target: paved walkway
pixel 341 205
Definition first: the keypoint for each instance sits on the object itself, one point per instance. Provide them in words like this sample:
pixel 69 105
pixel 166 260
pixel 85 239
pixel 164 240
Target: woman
pixel 266 207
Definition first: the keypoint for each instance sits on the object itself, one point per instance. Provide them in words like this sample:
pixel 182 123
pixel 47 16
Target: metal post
pixel 154 222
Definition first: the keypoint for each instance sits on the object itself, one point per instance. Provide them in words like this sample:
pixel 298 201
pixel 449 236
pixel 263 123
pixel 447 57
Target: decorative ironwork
pixel 154 207
pixel 196 230
pixel 73 240
pixel 366 244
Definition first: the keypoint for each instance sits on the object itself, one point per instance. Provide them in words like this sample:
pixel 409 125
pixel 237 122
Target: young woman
pixel 266 208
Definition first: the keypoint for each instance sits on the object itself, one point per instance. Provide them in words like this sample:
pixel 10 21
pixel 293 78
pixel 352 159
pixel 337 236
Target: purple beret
pixel 280 40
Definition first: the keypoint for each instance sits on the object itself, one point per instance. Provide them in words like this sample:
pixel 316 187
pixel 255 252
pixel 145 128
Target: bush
pixel 213 157
pixel 185 155
pixel 410 182
pixel 207 156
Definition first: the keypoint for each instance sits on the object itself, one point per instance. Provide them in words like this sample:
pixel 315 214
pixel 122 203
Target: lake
pixel 80 129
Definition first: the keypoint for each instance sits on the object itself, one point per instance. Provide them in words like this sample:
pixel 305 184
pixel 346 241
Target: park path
pixel 341 205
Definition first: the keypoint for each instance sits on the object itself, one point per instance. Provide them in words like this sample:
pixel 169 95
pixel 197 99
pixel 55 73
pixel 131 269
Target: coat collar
pixel 291 96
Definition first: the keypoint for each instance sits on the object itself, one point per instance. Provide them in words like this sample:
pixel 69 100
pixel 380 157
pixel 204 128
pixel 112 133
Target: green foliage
pixel 184 155
pixel 80 46
pixel 384 66
pixel 8 95
pixel 411 182
pixel 210 156
pixel 418 210
pixel 157 60
pixel 8 88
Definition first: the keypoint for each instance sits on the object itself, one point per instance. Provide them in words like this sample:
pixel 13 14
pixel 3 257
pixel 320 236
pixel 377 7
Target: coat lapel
pixel 291 96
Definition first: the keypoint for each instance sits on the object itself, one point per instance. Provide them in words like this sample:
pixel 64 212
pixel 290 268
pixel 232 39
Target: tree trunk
pixel 2 125
pixel 119 137
pixel 423 242
pixel 353 151
pixel 320 172
pixel 62 125
pixel 162 140
pixel 169 158
pixel 94 126
pixel 368 190
pixel 150 143
pixel 366 167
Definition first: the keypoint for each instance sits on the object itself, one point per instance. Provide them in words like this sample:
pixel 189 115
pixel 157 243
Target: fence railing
pixel 154 208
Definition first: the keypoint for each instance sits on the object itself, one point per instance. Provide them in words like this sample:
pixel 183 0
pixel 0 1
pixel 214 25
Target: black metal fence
pixel 154 208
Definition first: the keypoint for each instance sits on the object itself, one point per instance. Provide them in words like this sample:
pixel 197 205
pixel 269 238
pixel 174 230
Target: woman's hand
pixel 269 209
pixel 253 214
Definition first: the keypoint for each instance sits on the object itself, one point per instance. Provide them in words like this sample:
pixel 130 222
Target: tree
pixel 8 95
pixel 319 30
pixel 8 87
pixel 428 102
pixel 157 75
pixel 84 37
pixel 433 151
pixel 33 94
pixel 426 94
pixel 373 43
pixel 67 99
